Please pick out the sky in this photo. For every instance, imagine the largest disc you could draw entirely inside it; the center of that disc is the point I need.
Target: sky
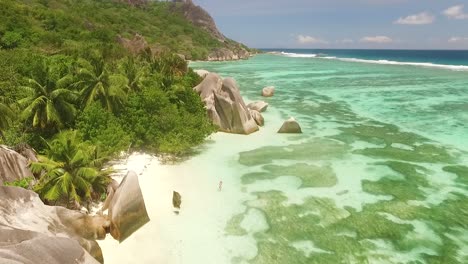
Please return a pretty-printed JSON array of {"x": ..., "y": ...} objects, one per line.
[{"x": 370, "y": 24}]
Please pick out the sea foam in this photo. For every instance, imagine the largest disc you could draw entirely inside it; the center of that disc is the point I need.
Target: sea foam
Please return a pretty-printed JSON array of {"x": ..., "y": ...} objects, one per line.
[
  {"x": 383, "y": 62},
  {"x": 298, "y": 55}
]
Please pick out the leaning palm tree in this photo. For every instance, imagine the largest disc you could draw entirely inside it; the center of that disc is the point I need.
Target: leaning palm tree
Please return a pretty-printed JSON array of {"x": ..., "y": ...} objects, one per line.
[
  {"x": 71, "y": 170},
  {"x": 6, "y": 115},
  {"x": 49, "y": 103},
  {"x": 97, "y": 83}
]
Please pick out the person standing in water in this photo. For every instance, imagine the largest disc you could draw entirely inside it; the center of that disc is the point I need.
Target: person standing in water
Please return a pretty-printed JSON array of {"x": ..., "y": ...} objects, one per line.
[{"x": 220, "y": 187}]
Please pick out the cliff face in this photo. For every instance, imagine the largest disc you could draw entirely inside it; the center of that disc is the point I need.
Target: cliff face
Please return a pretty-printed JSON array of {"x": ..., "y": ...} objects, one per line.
[
  {"x": 200, "y": 18},
  {"x": 229, "y": 49}
]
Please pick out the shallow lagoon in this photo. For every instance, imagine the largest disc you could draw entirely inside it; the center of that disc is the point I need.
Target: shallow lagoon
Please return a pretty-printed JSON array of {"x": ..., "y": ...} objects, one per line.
[{"x": 379, "y": 176}]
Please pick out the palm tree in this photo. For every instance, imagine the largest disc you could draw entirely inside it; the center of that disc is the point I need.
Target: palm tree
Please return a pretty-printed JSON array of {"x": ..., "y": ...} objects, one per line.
[
  {"x": 134, "y": 72},
  {"x": 71, "y": 170},
  {"x": 6, "y": 115},
  {"x": 49, "y": 103},
  {"x": 96, "y": 83}
]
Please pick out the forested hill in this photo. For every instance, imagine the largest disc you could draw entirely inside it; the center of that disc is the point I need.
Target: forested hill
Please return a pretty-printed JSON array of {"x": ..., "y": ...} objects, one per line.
[
  {"x": 57, "y": 26},
  {"x": 84, "y": 81}
]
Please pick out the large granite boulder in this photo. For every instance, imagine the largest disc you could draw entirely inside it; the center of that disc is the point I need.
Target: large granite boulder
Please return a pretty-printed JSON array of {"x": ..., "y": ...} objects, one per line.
[
  {"x": 260, "y": 106},
  {"x": 257, "y": 117},
  {"x": 268, "y": 91},
  {"x": 13, "y": 166},
  {"x": 202, "y": 73},
  {"x": 25, "y": 215},
  {"x": 127, "y": 211},
  {"x": 225, "y": 105},
  {"x": 26, "y": 151},
  {"x": 290, "y": 126},
  {"x": 28, "y": 247},
  {"x": 31, "y": 232}
]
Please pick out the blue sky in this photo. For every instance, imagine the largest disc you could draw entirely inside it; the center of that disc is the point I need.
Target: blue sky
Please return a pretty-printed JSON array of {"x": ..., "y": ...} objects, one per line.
[{"x": 400, "y": 24}]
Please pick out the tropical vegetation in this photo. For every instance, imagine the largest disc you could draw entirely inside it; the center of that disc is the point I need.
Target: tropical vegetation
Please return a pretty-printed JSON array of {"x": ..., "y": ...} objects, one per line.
[{"x": 70, "y": 89}]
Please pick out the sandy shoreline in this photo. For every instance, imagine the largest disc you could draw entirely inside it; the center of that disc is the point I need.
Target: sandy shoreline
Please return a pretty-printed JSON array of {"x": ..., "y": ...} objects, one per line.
[{"x": 197, "y": 235}]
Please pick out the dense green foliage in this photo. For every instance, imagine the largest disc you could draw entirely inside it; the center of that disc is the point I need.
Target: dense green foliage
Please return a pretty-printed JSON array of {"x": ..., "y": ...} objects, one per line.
[
  {"x": 24, "y": 183},
  {"x": 79, "y": 97},
  {"x": 71, "y": 170},
  {"x": 64, "y": 25}
]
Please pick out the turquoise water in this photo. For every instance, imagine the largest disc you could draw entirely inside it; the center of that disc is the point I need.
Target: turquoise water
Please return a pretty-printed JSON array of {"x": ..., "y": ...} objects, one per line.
[{"x": 380, "y": 174}]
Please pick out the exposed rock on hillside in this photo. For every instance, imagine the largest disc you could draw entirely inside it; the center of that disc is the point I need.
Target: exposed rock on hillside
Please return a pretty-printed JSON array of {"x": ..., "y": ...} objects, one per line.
[
  {"x": 225, "y": 105},
  {"x": 200, "y": 18},
  {"x": 229, "y": 50},
  {"x": 135, "y": 45}
]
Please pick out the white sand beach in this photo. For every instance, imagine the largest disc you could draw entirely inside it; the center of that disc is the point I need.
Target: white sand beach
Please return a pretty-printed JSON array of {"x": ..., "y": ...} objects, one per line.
[{"x": 197, "y": 234}]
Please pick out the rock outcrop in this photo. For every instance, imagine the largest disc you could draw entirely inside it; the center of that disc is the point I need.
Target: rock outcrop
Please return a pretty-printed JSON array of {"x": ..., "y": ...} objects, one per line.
[
  {"x": 176, "y": 199},
  {"x": 290, "y": 126},
  {"x": 259, "y": 106},
  {"x": 127, "y": 211},
  {"x": 200, "y": 18},
  {"x": 230, "y": 49},
  {"x": 135, "y": 45},
  {"x": 31, "y": 232},
  {"x": 28, "y": 247},
  {"x": 268, "y": 91},
  {"x": 225, "y": 54},
  {"x": 257, "y": 117},
  {"x": 13, "y": 166},
  {"x": 225, "y": 105},
  {"x": 202, "y": 73}
]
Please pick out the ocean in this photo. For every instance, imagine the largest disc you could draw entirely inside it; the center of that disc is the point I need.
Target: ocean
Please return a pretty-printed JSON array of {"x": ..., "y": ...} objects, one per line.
[{"x": 379, "y": 175}]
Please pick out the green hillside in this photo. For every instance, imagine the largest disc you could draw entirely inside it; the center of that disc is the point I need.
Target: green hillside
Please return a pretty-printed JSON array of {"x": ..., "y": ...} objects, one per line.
[
  {"x": 84, "y": 81},
  {"x": 56, "y": 26}
]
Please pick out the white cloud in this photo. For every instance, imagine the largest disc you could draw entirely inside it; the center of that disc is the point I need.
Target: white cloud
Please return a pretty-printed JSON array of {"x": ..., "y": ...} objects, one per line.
[
  {"x": 376, "y": 39},
  {"x": 423, "y": 18},
  {"x": 456, "y": 12},
  {"x": 458, "y": 40},
  {"x": 346, "y": 41},
  {"x": 302, "y": 39}
]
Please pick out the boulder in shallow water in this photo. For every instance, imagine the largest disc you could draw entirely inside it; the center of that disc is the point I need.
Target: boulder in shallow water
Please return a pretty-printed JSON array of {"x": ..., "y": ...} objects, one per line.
[
  {"x": 290, "y": 126},
  {"x": 268, "y": 91},
  {"x": 225, "y": 106},
  {"x": 257, "y": 117},
  {"x": 127, "y": 210},
  {"x": 259, "y": 106}
]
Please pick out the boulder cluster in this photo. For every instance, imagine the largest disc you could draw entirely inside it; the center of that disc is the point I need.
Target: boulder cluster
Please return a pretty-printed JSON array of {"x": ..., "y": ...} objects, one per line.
[
  {"x": 227, "y": 110},
  {"x": 225, "y": 106}
]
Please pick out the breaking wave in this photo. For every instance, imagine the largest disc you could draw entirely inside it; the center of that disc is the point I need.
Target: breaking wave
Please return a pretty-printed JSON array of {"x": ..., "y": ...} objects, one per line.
[{"x": 383, "y": 62}]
